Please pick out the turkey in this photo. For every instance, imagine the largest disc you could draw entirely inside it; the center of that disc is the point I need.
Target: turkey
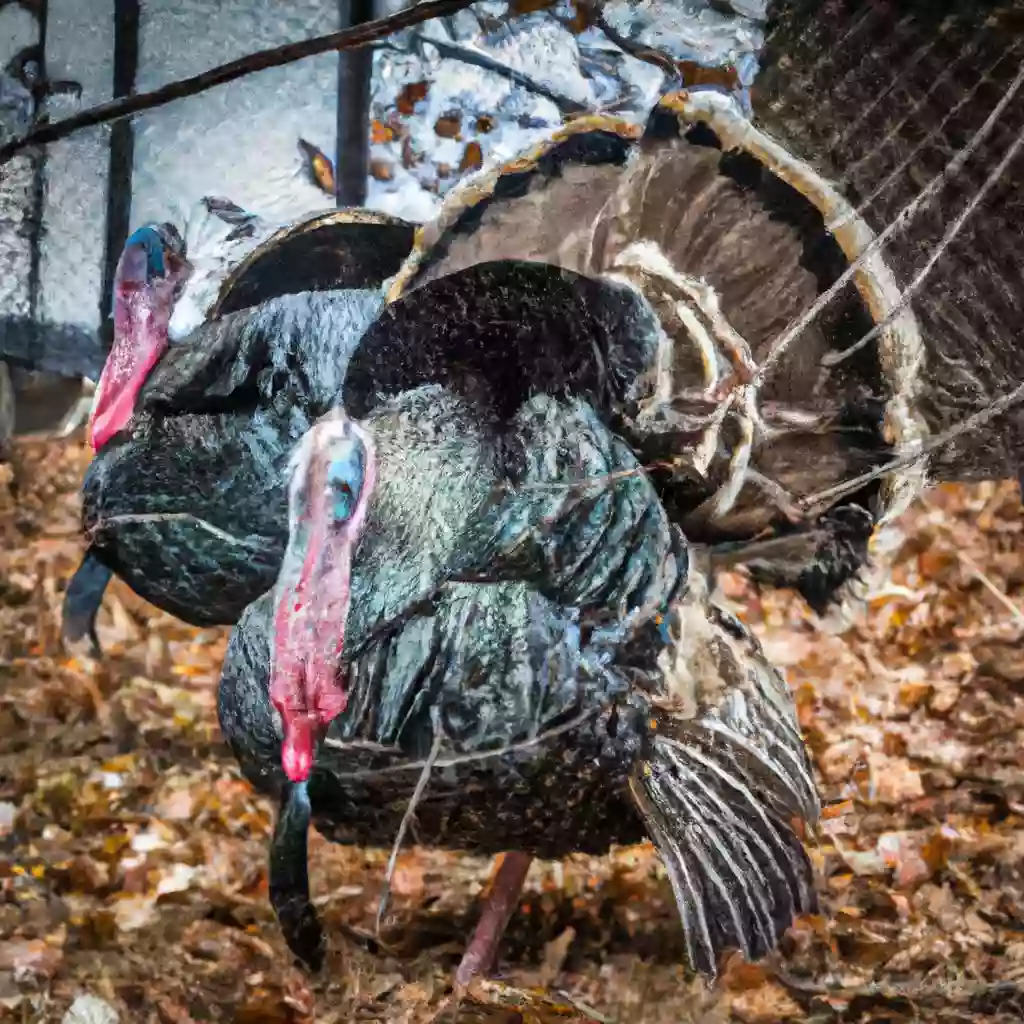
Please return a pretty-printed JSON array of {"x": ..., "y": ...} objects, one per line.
[
  {"x": 486, "y": 621},
  {"x": 749, "y": 276},
  {"x": 184, "y": 499}
]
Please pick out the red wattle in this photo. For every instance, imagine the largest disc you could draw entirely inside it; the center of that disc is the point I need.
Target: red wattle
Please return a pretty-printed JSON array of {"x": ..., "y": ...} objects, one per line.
[
  {"x": 297, "y": 749},
  {"x": 142, "y": 312}
]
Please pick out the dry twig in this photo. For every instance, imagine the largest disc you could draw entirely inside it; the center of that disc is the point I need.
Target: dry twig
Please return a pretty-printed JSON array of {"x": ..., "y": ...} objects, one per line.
[{"x": 278, "y": 56}]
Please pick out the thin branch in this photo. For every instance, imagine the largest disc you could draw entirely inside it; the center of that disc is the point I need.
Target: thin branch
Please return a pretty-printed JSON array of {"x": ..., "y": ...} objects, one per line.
[
  {"x": 453, "y": 51},
  {"x": 278, "y": 56},
  {"x": 662, "y": 61},
  {"x": 979, "y": 419},
  {"x": 417, "y": 795}
]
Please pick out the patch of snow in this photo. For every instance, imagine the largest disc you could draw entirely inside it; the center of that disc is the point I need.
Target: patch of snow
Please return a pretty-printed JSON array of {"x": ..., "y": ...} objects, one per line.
[
  {"x": 18, "y": 29},
  {"x": 79, "y": 46},
  {"x": 241, "y": 139}
]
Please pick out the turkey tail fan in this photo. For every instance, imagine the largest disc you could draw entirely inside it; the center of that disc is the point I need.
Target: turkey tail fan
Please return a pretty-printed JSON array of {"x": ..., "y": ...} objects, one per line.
[{"x": 724, "y": 777}]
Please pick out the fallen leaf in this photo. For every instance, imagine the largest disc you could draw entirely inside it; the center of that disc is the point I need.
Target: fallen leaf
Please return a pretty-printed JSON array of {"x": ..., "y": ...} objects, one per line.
[
  {"x": 320, "y": 167},
  {"x": 472, "y": 157},
  {"x": 768, "y": 1004},
  {"x": 381, "y": 170},
  {"x": 903, "y": 854},
  {"x": 30, "y": 958},
  {"x": 89, "y": 1009},
  {"x": 381, "y": 133},
  {"x": 134, "y": 912},
  {"x": 448, "y": 127},
  {"x": 413, "y": 93}
]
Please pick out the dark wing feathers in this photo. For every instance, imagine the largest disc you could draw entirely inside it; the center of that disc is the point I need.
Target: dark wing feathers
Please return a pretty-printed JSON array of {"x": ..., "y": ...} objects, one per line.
[{"x": 726, "y": 774}]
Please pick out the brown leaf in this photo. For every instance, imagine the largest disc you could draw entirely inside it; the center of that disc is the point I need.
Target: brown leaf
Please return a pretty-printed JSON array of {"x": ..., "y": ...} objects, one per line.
[
  {"x": 135, "y": 912},
  {"x": 741, "y": 976},
  {"x": 28, "y": 958},
  {"x": 173, "y": 1013},
  {"x": 407, "y": 879},
  {"x": 321, "y": 169},
  {"x": 913, "y": 694},
  {"x": 768, "y": 1004},
  {"x": 449, "y": 126},
  {"x": 413, "y": 93},
  {"x": 529, "y": 6},
  {"x": 903, "y": 853},
  {"x": 895, "y": 781},
  {"x": 382, "y": 170},
  {"x": 381, "y": 133},
  {"x": 177, "y": 805},
  {"x": 472, "y": 157}
]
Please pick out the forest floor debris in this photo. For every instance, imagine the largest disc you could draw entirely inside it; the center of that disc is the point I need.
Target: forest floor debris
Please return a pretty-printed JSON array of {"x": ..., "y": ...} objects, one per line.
[{"x": 133, "y": 856}]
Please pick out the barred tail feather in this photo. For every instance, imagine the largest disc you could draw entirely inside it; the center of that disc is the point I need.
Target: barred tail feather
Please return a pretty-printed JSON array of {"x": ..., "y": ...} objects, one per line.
[
  {"x": 725, "y": 774},
  {"x": 739, "y": 872}
]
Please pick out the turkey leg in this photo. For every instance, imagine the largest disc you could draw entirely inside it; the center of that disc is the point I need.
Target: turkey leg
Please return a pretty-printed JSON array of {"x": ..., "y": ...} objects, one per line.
[{"x": 497, "y": 910}]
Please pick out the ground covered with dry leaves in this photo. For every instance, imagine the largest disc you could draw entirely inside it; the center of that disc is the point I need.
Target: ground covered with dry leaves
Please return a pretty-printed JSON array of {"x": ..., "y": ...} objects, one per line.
[{"x": 133, "y": 856}]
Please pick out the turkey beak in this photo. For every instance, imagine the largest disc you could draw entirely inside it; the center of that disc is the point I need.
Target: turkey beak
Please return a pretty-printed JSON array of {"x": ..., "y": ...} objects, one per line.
[{"x": 333, "y": 476}]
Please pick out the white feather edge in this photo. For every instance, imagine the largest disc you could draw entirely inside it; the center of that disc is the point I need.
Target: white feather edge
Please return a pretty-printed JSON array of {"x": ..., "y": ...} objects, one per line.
[{"x": 726, "y": 774}]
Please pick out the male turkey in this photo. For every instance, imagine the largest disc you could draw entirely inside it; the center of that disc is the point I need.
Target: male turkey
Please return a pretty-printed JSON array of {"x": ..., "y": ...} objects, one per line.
[
  {"x": 674, "y": 297},
  {"x": 486, "y": 622},
  {"x": 185, "y": 498}
]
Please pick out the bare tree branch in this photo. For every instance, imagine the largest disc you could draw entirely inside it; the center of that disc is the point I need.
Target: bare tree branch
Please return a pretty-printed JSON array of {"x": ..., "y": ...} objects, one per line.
[
  {"x": 815, "y": 504},
  {"x": 346, "y": 39},
  {"x": 453, "y": 51},
  {"x": 662, "y": 61}
]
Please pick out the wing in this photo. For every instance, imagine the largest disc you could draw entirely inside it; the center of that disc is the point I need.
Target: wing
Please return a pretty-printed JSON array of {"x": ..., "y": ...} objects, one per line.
[
  {"x": 298, "y": 344},
  {"x": 505, "y": 331},
  {"x": 725, "y": 775},
  {"x": 288, "y": 315},
  {"x": 342, "y": 249}
]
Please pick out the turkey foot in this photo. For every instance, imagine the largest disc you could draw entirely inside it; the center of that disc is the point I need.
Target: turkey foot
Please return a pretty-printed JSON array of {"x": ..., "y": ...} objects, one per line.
[{"x": 497, "y": 910}]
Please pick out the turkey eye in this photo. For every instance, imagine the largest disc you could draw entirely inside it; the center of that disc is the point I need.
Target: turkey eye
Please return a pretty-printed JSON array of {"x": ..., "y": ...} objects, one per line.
[
  {"x": 343, "y": 501},
  {"x": 343, "y": 480}
]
